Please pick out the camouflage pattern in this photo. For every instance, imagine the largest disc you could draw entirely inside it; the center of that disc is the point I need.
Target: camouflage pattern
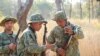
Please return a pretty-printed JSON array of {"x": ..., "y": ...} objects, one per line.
[
  {"x": 4, "y": 42},
  {"x": 28, "y": 45},
  {"x": 7, "y": 19},
  {"x": 59, "y": 15},
  {"x": 58, "y": 37},
  {"x": 36, "y": 18}
]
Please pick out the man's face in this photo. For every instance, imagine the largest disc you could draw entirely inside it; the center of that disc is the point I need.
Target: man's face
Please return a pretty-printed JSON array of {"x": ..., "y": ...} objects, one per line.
[
  {"x": 9, "y": 25},
  {"x": 37, "y": 26},
  {"x": 61, "y": 22}
]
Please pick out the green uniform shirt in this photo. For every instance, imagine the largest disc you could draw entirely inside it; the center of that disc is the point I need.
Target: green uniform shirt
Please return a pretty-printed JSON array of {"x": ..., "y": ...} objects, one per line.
[
  {"x": 28, "y": 45},
  {"x": 4, "y": 42},
  {"x": 58, "y": 38}
]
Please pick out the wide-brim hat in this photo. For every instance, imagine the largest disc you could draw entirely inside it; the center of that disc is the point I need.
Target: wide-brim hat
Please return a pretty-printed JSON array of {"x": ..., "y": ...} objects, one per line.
[
  {"x": 36, "y": 18},
  {"x": 36, "y": 21},
  {"x": 6, "y": 19}
]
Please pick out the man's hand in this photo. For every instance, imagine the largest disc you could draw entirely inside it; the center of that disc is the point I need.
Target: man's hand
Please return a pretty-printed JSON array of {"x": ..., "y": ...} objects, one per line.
[
  {"x": 61, "y": 52},
  {"x": 12, "y": 46},
  {"x": 68, "y": 30},
  {"x": 49, "y": 46}
]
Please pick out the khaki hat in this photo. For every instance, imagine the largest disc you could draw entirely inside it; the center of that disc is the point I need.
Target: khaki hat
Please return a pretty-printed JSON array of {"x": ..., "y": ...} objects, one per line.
[{"x": 7, "y": 19}]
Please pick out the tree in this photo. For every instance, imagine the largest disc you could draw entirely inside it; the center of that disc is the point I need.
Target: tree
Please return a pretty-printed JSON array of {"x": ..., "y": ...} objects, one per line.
[
  {"x": 58, "y": 4},
  {"x": 81, "y": 9},
  {"x": 23, "y": 12},
  {"x": 77, "y": 13},
  {"x": 71, "y": 9},
  {"x": 98, "y": 11}
]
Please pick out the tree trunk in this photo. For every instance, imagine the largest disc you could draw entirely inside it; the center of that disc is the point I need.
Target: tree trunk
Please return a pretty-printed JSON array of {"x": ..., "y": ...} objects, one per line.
[
  {"x": 70, "y": 9},
  {"x": 92, "y": 9},
  {"x": 89, "y": 11},
  {"x": 58, "y": 5},
  {"x": 23, "y": 12},
  {"x": 98, "y": 12},
  {"x": 80, "y": 9}
]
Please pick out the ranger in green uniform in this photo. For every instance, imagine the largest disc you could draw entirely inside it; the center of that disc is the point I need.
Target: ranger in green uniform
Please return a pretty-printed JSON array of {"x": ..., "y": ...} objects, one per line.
[
  {"x": 28, "y": 45},
  {"x": 7, "y": 48},
  {"x": 61, "y": 34}
]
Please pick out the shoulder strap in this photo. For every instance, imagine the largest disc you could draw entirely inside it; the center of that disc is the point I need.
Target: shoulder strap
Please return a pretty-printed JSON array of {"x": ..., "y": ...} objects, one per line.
[{"x": 33, "y": 31}]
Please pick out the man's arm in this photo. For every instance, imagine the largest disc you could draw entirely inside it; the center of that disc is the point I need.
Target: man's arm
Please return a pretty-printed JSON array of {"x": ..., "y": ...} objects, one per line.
[
  {"x": 51, "y": 40},
  {"x": 31, "y": 45},
  {"x": 3, "y": 49},
  {"x": 78, "y": 32}
]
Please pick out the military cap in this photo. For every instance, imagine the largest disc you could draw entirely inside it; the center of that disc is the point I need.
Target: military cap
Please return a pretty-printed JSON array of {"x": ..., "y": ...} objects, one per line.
[
  {"x": 36, "y": 18},
  {"x": 59, "y": 15},
  {"x": 6, "y": 19}
]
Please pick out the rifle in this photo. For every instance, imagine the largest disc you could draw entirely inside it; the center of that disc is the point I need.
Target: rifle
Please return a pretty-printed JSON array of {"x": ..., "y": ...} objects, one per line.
[
  {"x": 45, "y": 32},
  {"x": 44, "y": 37},
  {"x": 14, "y": 40},
  {"x": 65, "y": 45},
  {"x": 67, "y": 42}
]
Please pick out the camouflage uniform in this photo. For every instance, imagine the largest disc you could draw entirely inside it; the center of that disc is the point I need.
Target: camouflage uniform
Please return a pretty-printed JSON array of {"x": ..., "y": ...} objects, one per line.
[
  {"x": 5, "y": 40},
  {"x": 28, "y": 45},
  {"x": 58, "y": 37}
]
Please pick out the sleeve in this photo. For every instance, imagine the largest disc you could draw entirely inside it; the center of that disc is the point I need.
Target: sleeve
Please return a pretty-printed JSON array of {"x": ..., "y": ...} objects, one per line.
[
  {"x": 31, "y": 45},
  {"x": 20, "y": 46},
  {"x": 3, "y": 48},
  {"x": 78, "y": 32},
  {"x": 51, "y": 40}
]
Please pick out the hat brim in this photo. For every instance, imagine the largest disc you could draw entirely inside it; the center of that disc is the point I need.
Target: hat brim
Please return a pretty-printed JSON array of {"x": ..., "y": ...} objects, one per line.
[
  {"x": 55, "y": 19},
  {"x": 36, "y": 21},
  {"x": 6, "y": 20}
]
